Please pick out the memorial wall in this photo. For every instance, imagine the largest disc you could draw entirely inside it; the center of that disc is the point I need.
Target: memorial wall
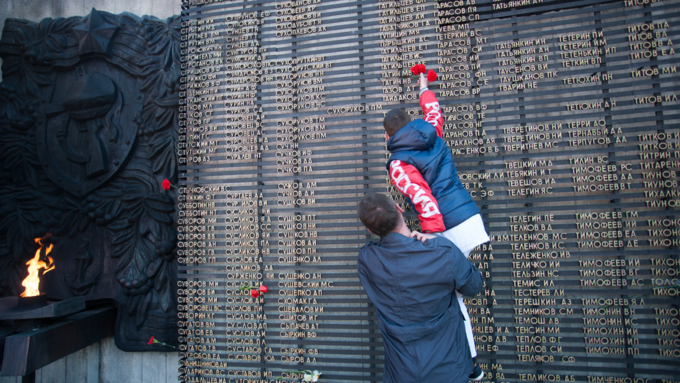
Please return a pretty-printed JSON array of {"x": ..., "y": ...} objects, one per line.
[{"x": 562, "y": 117}]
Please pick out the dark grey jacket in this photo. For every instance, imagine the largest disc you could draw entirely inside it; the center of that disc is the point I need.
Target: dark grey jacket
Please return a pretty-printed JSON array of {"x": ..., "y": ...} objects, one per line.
[{"x": 413, "y": 285}]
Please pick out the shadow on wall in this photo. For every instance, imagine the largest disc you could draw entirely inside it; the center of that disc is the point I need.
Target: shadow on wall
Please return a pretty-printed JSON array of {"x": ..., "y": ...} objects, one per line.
[{"x": 88, "y": 118}]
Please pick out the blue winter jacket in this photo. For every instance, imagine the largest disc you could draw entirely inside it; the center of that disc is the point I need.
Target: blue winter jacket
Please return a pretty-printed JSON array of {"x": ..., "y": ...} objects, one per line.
[
  {"x": 413, "y": 287},
  {"x": 417, "y": 144}
]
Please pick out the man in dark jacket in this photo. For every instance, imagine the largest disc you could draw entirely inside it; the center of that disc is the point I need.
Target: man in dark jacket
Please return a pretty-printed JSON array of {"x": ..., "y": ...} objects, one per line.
[
  {"x": 421, "y": 167},
  {"x": 411, "y": 278}
]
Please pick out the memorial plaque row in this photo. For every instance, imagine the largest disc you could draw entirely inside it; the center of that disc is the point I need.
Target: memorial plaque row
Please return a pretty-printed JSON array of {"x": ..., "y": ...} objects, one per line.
[{"x": 563, "y": 121}]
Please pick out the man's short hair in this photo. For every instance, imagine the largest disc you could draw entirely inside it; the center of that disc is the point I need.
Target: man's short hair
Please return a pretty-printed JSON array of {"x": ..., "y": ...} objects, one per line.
[
  {"x": 394, "y": 120},
  {"x": 378, "y": 213}
]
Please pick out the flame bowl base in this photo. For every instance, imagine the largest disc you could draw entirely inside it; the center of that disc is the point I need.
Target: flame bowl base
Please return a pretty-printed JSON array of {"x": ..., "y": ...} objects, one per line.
[
  {"x": 28, "y": 303},
  {"x": 12, "y": 309}
]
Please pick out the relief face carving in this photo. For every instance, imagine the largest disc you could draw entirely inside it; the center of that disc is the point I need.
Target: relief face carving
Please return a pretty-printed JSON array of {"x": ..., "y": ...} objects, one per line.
[{"x": 88, "y": 119}]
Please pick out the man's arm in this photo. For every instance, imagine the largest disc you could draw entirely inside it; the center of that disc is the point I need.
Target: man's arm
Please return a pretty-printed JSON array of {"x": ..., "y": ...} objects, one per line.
[
  {"x": 430, "y": 106},
  {"x": 467, "y": 278},
  {"x": 411, "y": 184}
]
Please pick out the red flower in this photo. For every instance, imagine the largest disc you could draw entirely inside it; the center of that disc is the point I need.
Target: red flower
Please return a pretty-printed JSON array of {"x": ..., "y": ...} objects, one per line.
[
  {"x": 264, "y": 289},
  {"x": 254, "y": 293},
  {"x": 154, "y": 341},
  {"x": 166, "y": 184},
  {"x": 418, "y": 69},
  {"x": 431, "y": 75}
]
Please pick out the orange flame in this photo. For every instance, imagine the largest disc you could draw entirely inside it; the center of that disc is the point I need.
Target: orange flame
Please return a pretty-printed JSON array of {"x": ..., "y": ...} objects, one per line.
[{"x": 32, "y": 281}]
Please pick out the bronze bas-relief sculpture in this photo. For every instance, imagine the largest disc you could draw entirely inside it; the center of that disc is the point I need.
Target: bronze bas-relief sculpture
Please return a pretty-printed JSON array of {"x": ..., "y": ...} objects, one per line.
[{"x": 88, "y": 120}]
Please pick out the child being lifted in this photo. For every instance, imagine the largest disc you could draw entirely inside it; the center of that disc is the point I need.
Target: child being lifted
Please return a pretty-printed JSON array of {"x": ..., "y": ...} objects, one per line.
[{"x": 421, "y": 167}]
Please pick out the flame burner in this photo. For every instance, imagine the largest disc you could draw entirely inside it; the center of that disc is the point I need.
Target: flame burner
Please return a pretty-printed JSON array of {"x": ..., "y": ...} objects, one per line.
[
  {"x": 29, "y": 303},
  {"x": 29, "y": 308},
  {"x": 38, "y": 332}
]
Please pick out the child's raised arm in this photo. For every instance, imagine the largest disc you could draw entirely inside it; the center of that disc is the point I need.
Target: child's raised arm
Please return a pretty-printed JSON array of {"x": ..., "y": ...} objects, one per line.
[{"x": 430, "y": 106}]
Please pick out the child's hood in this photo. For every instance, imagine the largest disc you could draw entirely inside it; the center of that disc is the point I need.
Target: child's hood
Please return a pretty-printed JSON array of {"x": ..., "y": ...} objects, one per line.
[{"x": 416, "y": 135}]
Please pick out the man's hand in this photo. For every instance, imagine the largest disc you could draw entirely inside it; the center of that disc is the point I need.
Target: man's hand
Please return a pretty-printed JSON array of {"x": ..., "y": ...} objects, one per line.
[
  {"x": 421, "y": 237},
  {"x": 423, "y": 82}
]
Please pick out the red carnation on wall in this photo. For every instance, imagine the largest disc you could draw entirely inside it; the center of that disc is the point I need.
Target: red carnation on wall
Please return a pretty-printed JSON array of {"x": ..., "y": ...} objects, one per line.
[
  {"x": 431, "y": 76},
  {"x": 166, "y": 184},
  {"x": 153, "y": 340},
  {"x": 254, "y": 291},
  {"x": 418, "y": 69}
]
